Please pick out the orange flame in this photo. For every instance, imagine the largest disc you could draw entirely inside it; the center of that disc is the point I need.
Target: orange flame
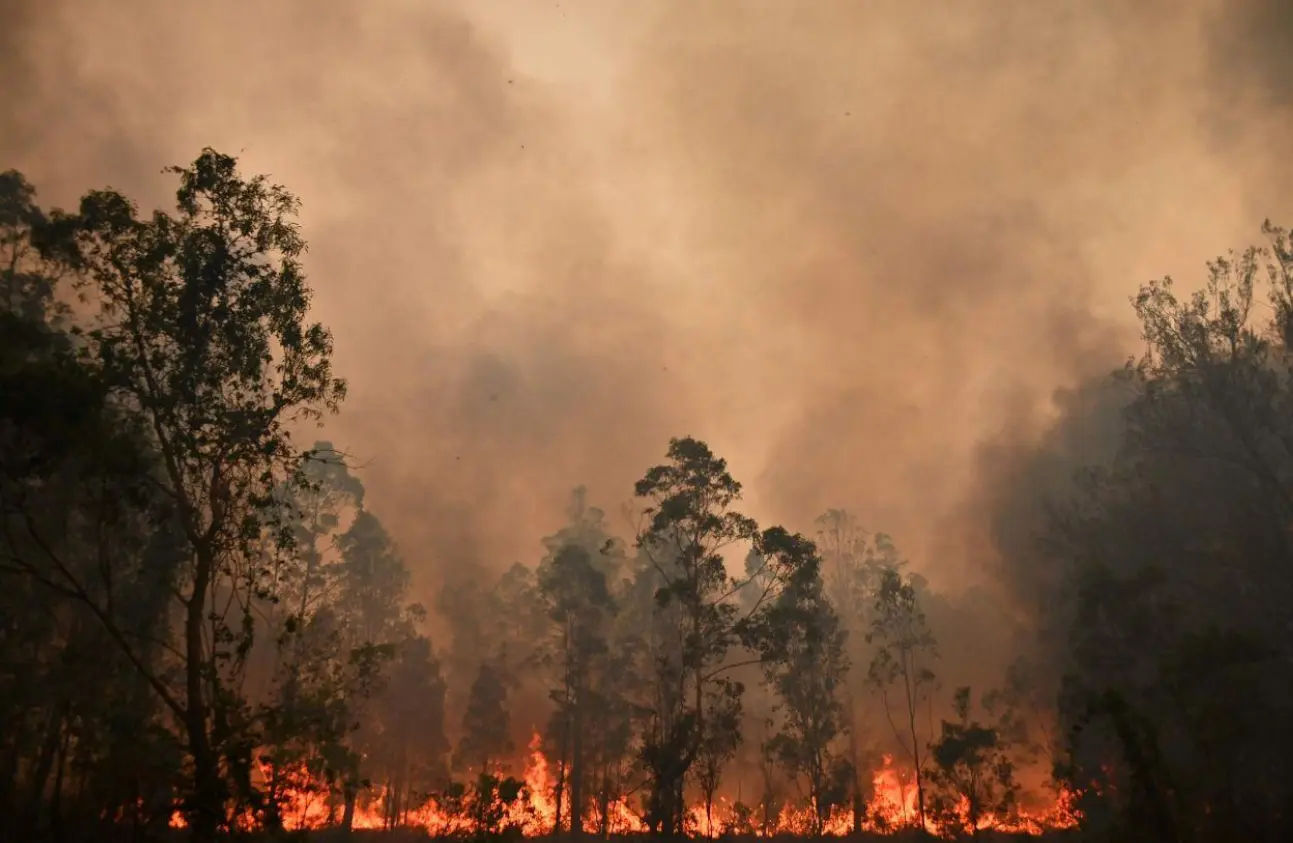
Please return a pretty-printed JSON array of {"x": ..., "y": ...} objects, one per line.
[{"x": 892, "y": 806}]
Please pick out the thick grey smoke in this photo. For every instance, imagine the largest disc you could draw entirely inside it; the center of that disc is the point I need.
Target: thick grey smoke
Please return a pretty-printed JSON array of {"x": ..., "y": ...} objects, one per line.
[
  {"x": 930, "y": 217},
  {"x": 860, "y": 247}
]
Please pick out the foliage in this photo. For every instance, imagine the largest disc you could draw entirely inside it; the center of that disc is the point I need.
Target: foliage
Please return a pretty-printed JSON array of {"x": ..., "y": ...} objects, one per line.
[
  {"x": 154, "y": 500},
  {"x": 573, "y": 583},
  {"x": 807, "y": 667},
  {"x": 485, "y": 743},
  {"x": 690, "y": 521},
  {"x": 973, "y": 777},
  {"x": 904, "y": 648},
  {"x": 493, "y": 804},
  {"x": 1178, "y": 551}
]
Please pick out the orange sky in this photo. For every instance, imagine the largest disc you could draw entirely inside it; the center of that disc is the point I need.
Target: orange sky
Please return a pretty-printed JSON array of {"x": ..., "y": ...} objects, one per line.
[{"x": 854, "y": 245}]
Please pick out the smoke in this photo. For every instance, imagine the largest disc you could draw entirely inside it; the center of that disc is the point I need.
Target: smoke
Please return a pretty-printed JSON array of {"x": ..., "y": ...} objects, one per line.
[
  {"x": 942, "y": 215},
  {"x": 863, "y": 249}
]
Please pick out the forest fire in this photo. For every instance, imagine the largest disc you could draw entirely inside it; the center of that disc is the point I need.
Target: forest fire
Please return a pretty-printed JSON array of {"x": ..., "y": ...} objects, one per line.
[
  {"x": 533, "y": 810},
  {"x": 197, "y": 603}
]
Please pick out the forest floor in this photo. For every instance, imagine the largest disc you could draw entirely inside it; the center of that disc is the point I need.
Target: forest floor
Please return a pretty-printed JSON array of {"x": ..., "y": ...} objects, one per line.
[{"x": 409, "y": 835}]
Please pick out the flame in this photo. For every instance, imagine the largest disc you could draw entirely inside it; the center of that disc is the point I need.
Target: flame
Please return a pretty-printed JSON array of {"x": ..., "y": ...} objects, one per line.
[{"x": 892, "y": 806}]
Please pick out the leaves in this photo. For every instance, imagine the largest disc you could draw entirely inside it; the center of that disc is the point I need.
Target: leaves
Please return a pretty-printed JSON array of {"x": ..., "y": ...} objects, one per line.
[
  {"x": 973, "y": 775},
  {"x": 807, "y": 668}
]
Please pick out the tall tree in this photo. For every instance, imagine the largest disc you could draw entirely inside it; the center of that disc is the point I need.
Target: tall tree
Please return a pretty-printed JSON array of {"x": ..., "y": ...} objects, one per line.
[
  {"x": 486, "y": 724},
  {"x": 403, "y": 731},
  {"x": 76, "y": 524},
  {"x": 201, "y": 331},
  {"x": 1177, "y": 556},
  {"x": 319, "y": 679},
  {"x": 573, "y": 583},
  {"x": 325, "y": 493},
  {"x": 904, "y": 649},
  {"x": 372, "y": 584},
  {"x": 807, "y": 668},
  {"x": 853, "y": 561},
  {"x": 690, "y": 522}
]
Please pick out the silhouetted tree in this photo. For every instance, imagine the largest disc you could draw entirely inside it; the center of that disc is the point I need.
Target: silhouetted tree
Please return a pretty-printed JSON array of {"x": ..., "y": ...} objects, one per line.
[
  {"x": 199, "y": 332},
  {"x": 852, "y": 563},
  {"x": 904, "y": 649},
  {"x": 690, "y": 523},
  {"x": 485, "y": 725},
  {"x": 972, "y": 774},
  {"x": 807, "y": 668},
  {"x": 572, "y": 581},
  {"x": 1176, "y": 556}
]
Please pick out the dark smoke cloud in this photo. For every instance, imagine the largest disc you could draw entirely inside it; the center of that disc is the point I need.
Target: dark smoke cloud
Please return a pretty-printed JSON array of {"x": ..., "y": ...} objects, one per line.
[
  {"x": 1252, "y": 54},
  {"x": 860, "y": 247},
  {"x": 942, "y": 208}
]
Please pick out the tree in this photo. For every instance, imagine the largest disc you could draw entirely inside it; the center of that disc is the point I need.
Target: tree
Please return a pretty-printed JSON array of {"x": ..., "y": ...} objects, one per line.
[
  {"x": 372, "y": 584},
  {"x": 319, "y": 680},
  {"x": 200, "y": 332},
  {"x": 973, "y": 776},
  {"x": 485, "y": 725},
  {"x": 75, "y": 524},
  {"x": 807, "y": 668},
  {"x": 904, "y": 648},
  {"x": 853, "y": 561},
  {"x": 27, "y": 281},
  {"x": 572, "y": 582},
  {"x": 497, "y": 620},
  {"x": 323, "y": 494},
  {"x": 578, "y": 602},
  {"x": 690, "y": 522},
  {"x": 306, "y": 740},
  {"x": 718, "y": 742},
  {"x": 403, "y": 736},
  {"x": 1176, "y": 553}
]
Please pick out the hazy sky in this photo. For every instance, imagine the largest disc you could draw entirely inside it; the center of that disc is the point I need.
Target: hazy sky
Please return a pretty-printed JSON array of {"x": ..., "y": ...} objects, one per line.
[{"x": 856, "y": 246}]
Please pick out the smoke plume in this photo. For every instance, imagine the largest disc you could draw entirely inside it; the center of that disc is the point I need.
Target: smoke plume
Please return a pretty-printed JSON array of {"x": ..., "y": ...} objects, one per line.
[{"x": 863, "y": 249}]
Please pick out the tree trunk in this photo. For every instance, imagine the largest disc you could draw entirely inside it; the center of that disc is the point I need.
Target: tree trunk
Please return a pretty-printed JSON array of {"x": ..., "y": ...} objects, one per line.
[
  {"x": 577, "y": 768},
  {"x": 56, "y": 798},
  {"x": 348, "y": 812},
  {"x": 8, "y": 782},
  {"x": 560, "y": 790},
  {"x": 819, "y": 807},
  {"x": 698, "y": 736},
  {"x": 604, "y": 798},
  {"x": 205, "y": 812},
  {"x": 920, "y": 781},
  {"x": 909, "y": 680},
  {"x": 273, "y": 816},
  {"x": 45, "y": 762},
  {"x": 680, "y": 805},
  {"x": 855, "y": 753}
]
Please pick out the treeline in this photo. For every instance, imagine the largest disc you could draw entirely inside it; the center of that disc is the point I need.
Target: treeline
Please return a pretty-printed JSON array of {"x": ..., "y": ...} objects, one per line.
[
  {"x": 182, "y": 616},
  {"x": 200, "y": 614},
  {"x": 671, "y": 680},
  {"x": 1171, "y": 607}
]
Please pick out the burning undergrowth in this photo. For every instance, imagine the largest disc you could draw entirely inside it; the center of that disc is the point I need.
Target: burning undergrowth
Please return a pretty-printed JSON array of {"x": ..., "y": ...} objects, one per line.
[{"x": 498, "y": 805}]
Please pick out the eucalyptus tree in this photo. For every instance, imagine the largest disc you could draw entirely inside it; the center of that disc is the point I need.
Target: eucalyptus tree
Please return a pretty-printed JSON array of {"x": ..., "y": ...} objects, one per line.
[
  {"x": 198, "y": 323},
  {"x": 904, "y": 651},
  {"x": 690, "y": 522}
]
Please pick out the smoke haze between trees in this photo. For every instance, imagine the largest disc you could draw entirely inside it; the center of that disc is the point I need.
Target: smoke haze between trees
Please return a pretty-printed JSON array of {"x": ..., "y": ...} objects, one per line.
[{"x": 547, "y": 239}]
